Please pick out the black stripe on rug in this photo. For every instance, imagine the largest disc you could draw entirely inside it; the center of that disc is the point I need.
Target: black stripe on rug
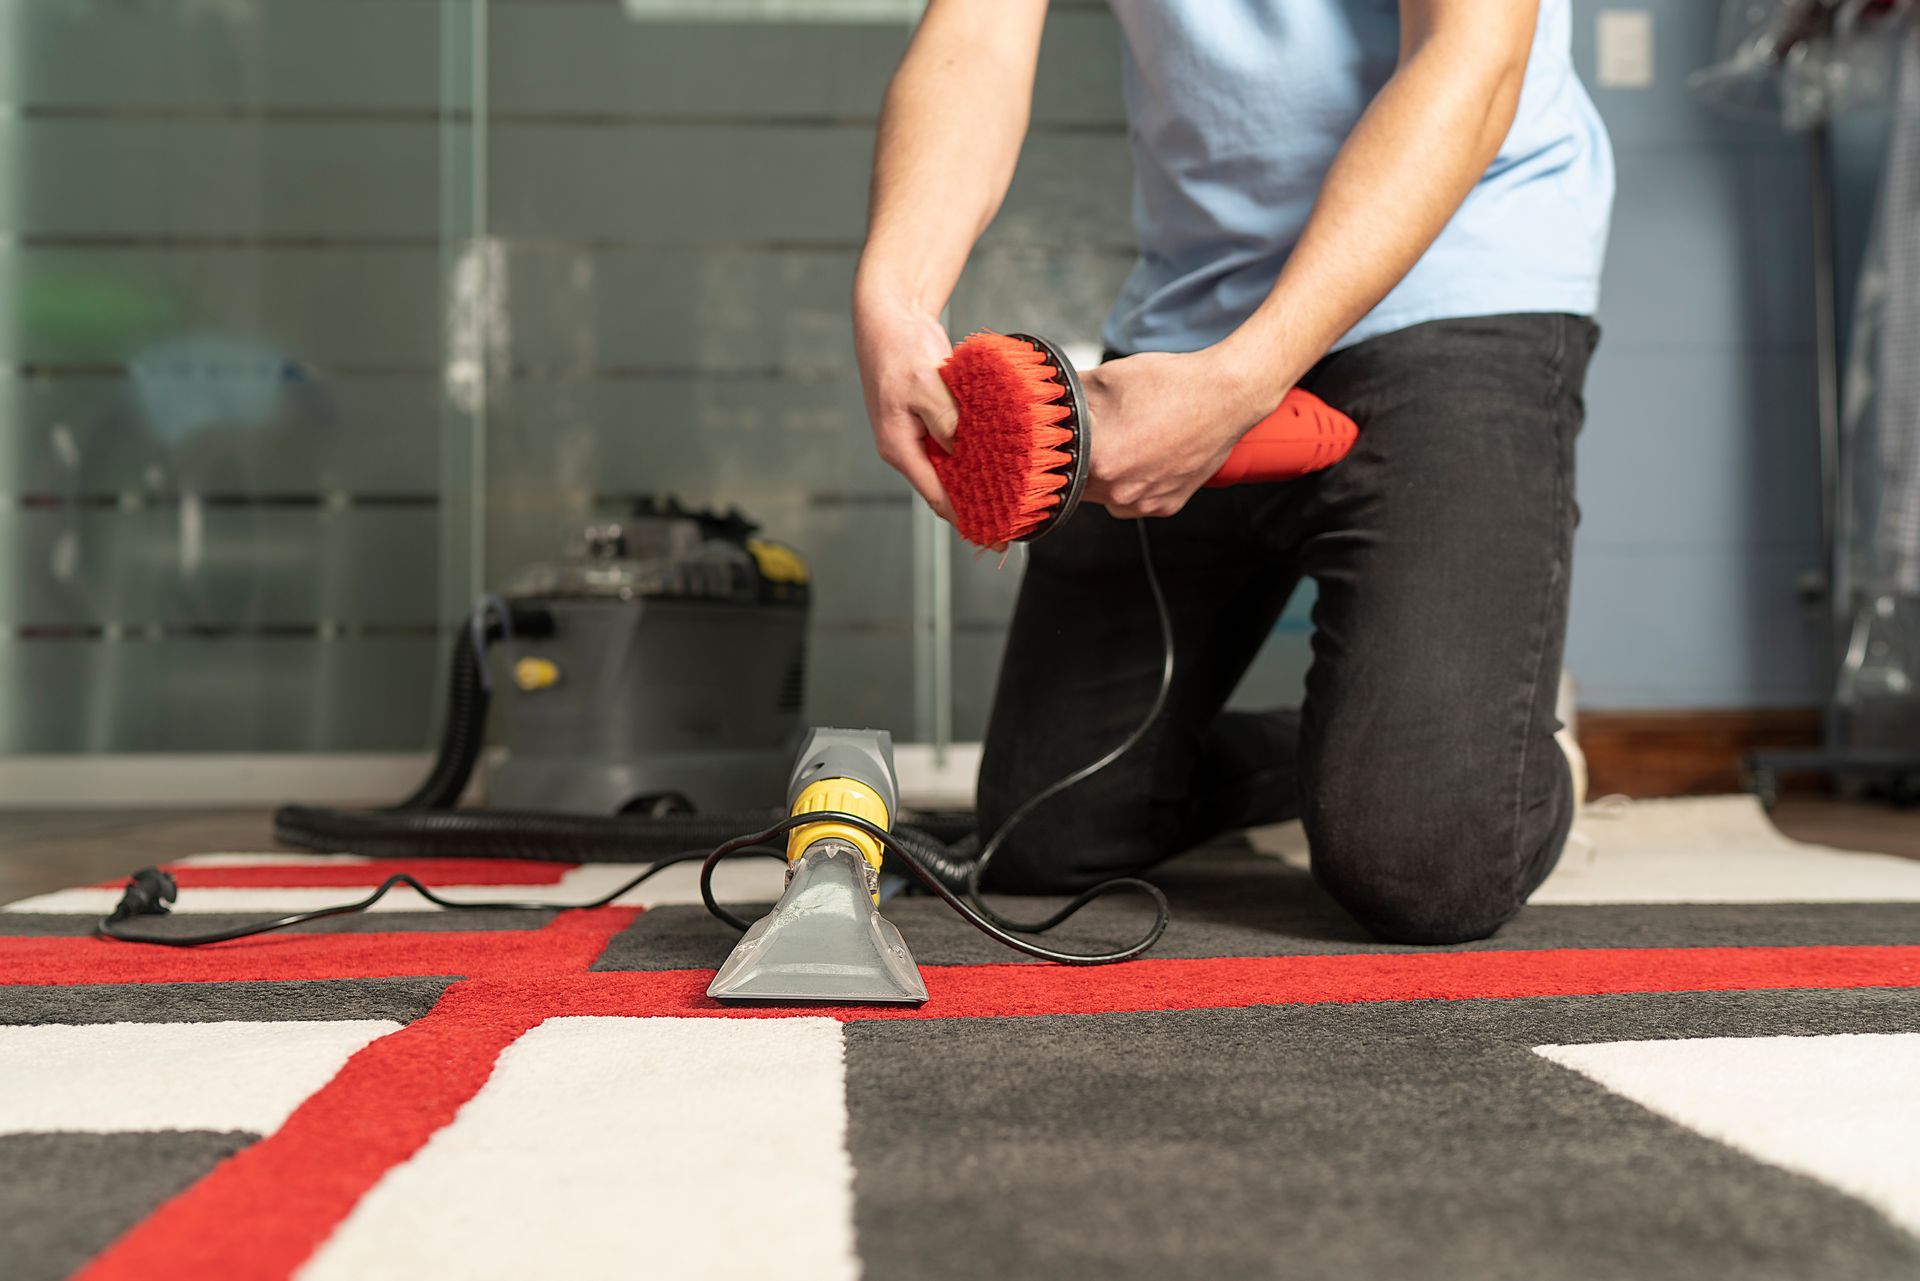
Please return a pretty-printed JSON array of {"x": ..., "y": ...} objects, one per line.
[
  {"x": 1288, "y": 916},
  {"x": 400, "y": 999},
  {"x": 64, "y": 1197},
  {"x": 1417, "y": 1139}
]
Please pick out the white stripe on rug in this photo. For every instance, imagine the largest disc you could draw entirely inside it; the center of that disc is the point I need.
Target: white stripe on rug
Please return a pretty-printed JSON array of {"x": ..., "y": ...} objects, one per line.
[
  {"x": 106, "y": 1078},
  {"x": 1709, "y": 849},
  {"x": 748, "y": 880},
  {"x": 1842, "y": 1109},
  {"x": 621, "y": 1148},
  {"x": 267, "y": 860}
]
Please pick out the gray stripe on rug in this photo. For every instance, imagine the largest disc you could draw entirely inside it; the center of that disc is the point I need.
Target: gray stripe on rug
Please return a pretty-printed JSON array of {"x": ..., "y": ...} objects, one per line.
[
  {"x": 400, "y": 999},
  {"x": 65, "y": 1197}
]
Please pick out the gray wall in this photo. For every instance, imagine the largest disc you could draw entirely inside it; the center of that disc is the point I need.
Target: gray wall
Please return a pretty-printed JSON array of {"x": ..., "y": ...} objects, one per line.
[{"x": 1699, "y": 466}]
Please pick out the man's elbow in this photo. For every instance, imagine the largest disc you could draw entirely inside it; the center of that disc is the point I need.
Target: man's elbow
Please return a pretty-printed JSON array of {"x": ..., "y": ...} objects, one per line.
[
  {"x": 1503, "y": 85},
  {"x": 1482, "y": 47},
  {"x": 1489, "y": 78}
]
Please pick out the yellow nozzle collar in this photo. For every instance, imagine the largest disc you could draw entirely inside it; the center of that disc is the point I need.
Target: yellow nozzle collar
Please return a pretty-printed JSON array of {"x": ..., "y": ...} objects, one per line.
[{"x": 848, "y": 796}]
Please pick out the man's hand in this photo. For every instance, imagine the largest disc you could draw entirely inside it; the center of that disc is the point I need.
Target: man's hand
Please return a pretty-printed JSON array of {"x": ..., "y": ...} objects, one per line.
[
  {"x": 900, "y": 353},
  {"x": 1162, "y": 425},
  {"x": 950, "y": 134}
]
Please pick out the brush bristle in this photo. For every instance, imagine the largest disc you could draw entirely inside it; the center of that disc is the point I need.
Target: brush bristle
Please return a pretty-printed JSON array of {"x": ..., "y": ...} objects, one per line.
[{"x": 1007, "y": 467}]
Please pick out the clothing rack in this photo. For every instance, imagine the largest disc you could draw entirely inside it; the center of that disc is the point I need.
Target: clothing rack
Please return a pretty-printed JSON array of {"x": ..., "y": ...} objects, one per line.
[{"x": 1890, "y": 773}]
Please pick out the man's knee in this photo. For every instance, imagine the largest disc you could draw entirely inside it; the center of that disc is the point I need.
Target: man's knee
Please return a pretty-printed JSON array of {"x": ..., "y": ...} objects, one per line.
[{"x": 1411, "y": 880}]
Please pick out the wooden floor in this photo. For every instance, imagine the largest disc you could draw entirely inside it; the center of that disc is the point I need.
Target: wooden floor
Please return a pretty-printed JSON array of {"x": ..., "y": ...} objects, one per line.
[
  {"x": 42, "y": 850},
  {"x": 1850, "y": 825}
]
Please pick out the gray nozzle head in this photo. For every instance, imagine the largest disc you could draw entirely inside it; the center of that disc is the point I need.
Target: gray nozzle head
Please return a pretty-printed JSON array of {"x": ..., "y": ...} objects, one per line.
[{"x": 824, "y": 941}]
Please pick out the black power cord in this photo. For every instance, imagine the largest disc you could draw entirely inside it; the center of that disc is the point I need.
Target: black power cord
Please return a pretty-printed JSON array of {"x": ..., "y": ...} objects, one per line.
[
  {"x": 972, "y": 907},
  {"x": 151, "y": 892},
  {"x": 978, "y": 869}
]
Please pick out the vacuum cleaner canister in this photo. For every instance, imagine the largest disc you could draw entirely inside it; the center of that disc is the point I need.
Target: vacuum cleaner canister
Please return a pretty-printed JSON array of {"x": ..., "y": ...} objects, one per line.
[{"x": 672, "y": 679}]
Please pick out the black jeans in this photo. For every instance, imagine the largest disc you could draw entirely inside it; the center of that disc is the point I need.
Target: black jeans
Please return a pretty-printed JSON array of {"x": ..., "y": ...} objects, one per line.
[{"x": 1422, "y": 762}]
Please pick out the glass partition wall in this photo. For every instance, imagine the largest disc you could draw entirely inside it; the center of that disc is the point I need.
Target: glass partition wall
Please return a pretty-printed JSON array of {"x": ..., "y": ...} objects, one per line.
[
  {"x": 226, "y": 231},
  {"x": 325, "y": 316}
]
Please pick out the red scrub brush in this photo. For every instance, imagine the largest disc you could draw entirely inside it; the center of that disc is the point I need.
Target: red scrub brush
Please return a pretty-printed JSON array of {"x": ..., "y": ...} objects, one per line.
[{"x": 1019, "y": 459}]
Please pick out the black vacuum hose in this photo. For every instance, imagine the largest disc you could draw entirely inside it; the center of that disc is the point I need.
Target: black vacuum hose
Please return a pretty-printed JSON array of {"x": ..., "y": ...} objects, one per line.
[
  {"x": 464, "y": 735},
  {"x": 564, "y": 838},
  {"x": 426, "y": 824}
]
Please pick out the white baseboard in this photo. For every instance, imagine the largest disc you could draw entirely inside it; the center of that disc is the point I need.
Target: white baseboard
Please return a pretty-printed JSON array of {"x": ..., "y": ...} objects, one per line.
[{"x": 928, "y": 779}]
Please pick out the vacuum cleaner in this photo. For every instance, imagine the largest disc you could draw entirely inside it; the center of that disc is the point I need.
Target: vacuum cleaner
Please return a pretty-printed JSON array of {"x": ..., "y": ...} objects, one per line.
[
  {"x": 672, "y": 674},
  {"x": 650, "y": 685}
]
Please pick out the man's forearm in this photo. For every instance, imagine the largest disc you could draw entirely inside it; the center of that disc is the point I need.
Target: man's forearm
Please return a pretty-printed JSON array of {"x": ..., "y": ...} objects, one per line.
[
  {"x": 1418, "y": 150},
  {"x": 949, "y": 139}
]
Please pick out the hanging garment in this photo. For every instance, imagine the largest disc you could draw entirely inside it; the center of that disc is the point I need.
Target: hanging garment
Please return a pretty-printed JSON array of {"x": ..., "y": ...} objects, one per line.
[{"x": 1896, "y": 351}]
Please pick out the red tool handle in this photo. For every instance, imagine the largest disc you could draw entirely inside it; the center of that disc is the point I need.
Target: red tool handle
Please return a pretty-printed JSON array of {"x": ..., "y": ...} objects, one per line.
[{"x": 1305, "y": 434}]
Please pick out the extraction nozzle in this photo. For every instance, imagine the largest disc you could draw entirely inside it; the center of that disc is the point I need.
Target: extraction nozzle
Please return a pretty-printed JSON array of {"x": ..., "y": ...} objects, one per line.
[{"x": 825, "y": 940}]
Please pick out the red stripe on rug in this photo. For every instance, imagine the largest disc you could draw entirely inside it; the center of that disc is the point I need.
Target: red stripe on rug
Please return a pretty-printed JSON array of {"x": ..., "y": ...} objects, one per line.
[
  {"x": 1430, "y": 976},
  {"x": 263, "y": 1212},
  {"x": 434, "y": 872},
  {"x": 991, "y": 991},
  {"x": 570, "y": 942}
]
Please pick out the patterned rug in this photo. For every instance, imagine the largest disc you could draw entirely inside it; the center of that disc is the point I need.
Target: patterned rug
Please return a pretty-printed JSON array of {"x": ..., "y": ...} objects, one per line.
[{"x": 1697, "y": 1055}]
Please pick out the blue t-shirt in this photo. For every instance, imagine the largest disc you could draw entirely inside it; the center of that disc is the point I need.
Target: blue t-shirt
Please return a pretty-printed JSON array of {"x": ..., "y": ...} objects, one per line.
[{"x": 1237, "y": 108}]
